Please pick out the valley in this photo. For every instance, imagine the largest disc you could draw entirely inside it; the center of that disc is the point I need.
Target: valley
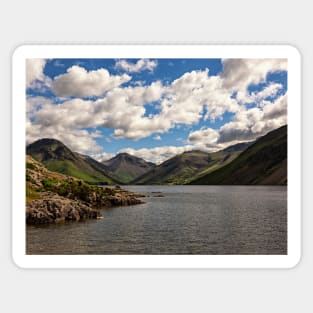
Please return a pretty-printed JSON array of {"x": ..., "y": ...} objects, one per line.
[{"x": 262, "y": 162}]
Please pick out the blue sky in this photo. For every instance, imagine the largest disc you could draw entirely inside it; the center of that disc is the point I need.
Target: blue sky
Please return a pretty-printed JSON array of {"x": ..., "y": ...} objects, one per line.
[{"x": 154, "y": 108}]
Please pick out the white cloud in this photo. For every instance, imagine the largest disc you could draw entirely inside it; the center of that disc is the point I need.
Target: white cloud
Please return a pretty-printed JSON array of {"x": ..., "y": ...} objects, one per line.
[
  {"x": 122, "y": 109},
  {"x": 255, "y": 122},
  {"x": 238, "y": 74},
  {"x": 270, "y": 90},
  {"x": 102, "y": 156},
  {"x": 159, "y": 154},
  {"x": 46, "y": 120},
  {"x": 182, "y": 102},
  {"x": 277, "y": 109},
  {"x": 188, "y": 99},
  {"x": 188, "y": 95},
  {"x": 207, "y": 137},
  {"x": 78, "y": 82},
  {"x": 34, "y": 104},
  {"x": 247, "y": 125},
  {"x": 157, "y": 137},
  {"x": 139, "y": 66},
  {"x": 34, "y": 71}
]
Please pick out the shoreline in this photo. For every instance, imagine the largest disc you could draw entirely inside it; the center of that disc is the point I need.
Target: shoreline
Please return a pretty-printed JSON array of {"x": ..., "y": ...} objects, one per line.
[
  {"x": 53, "y": 208},
  {"x": 55, "y": 198}
]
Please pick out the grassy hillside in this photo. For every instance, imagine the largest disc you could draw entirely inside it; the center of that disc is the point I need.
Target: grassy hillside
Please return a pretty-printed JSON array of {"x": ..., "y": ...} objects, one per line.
[
  {"x": 263, "y": 163},
  {"x": 185, "y": 167},
  {"x": 52, "y": 197},
  {"x": 59, "y": 158}
]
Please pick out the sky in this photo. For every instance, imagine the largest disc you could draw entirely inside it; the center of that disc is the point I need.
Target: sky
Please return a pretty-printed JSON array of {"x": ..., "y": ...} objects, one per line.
[{"x": 153, "y": 108}]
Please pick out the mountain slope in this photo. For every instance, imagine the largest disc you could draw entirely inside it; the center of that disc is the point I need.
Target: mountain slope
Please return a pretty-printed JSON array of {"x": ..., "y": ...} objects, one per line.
[
  {"x": 59, "y": 158},
  {"x": 126, "y": 167},
  {"x": 182, "y": 168},
  {"x": 263, "y": 163}
]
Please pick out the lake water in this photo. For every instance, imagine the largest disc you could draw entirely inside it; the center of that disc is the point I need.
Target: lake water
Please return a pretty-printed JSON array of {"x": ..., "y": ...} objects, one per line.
[{"x": 185, "y": 220}]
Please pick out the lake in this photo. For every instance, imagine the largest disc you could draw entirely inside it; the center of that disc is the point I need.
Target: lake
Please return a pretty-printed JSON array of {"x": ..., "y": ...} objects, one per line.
[{"x": 177, "y": 220}]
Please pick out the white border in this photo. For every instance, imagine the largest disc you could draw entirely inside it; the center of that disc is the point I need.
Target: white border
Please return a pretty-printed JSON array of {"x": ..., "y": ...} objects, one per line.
[{"x": 160, "y": 261}]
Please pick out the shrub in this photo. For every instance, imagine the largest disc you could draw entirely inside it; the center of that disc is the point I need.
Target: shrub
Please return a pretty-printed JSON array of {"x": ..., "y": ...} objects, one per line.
[
  {"x": 49, "y": 184},
  {"x": 30, "y": 166}
]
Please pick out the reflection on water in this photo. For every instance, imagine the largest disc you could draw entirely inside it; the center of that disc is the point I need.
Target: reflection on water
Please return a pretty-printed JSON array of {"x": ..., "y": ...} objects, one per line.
[{"x": 187, "y": 220}]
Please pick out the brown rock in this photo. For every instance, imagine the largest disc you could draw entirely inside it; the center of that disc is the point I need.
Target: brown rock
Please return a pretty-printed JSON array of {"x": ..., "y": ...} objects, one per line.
[{"x": 56, "y": 209}]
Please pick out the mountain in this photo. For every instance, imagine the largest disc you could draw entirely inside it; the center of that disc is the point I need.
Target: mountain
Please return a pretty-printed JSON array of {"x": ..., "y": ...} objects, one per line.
[
  {"x": 126, "y": 167},
  {"x": 263, "y": 163},
  {"x": 183, "y": 168},
  {"x": 59, "y": 158}
]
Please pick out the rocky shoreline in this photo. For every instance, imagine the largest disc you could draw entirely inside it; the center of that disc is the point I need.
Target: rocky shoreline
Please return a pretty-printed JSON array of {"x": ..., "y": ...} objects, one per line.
[
  {"x": 56, "y": 198},
  {"x": 52, "y": 208}
]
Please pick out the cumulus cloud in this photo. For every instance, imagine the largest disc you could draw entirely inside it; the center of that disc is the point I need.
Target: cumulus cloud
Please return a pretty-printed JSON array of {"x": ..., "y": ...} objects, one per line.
[
  {"x": 78, "y": 82},
  {"x": 181, "y": 102},
  {"x": 123, "y": 109},
  {"x": 190, "y": 98},
  {"x": 139, "y": 66},
  {"x": 238, "y": 74},
  {"x": 188, "y": 95},
  {"x": 249, "y": 124},
  {"x": 207, "y": 137},
  {"x": 34, "y": 71},
  {"x": 45, "y": 119},
  {"x": 159, "y": 154}
]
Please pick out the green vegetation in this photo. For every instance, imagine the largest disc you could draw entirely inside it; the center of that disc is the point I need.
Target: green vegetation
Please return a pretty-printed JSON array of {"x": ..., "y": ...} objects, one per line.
[
  {"x": 30, "y": 166},
  {"x": 67, "y": 167},
  {"x": 39, "y": 180},
  {"x": 52, "y": 187},
  {"x": 188, "y": 166},
  {"x": 219, "y": 161},
  {"x": 261, "y": 162},
  {"x": 59, "y": 158},
  {"x": 31, "y": 194},
  {"x": 264, "y": 162},
  {"x": 75, "y": 189}
]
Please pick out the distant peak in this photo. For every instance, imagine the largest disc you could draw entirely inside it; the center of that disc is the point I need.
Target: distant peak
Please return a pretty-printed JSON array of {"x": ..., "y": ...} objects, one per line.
[{"x": 126, "y": 155}]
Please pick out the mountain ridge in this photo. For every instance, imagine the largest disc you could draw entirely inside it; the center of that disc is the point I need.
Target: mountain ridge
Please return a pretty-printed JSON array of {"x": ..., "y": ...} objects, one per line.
[
  {"x": 263, "y": 163},
  {"x": 182, "y": 168},
  {"x": 56, "y": 156}
]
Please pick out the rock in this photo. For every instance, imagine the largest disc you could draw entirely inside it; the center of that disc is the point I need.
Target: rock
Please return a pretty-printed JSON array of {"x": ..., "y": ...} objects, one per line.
[{"x": 56, "y": 209}]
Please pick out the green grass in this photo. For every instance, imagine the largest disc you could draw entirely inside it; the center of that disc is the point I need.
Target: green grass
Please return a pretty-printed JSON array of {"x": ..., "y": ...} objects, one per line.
[
  {"x": 254, "y": 164},
  {"x": 31, "y": 194},
  {"x": 68, "y": 168},
  {"x": 218, "y": 165}
]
